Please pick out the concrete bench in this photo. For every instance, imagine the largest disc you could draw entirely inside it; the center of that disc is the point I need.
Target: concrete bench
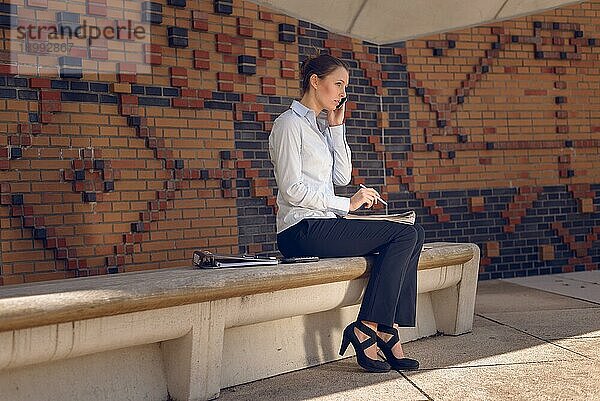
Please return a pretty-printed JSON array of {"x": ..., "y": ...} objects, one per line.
[{"x": 184, "y": 334}]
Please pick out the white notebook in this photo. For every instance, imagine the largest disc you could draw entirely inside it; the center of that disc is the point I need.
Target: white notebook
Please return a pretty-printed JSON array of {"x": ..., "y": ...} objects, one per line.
[{"x": 403, "y": 218}]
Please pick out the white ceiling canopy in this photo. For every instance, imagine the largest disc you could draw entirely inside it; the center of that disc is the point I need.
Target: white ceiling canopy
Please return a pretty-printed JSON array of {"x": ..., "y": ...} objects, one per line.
[{"x": 389, "y": 21}]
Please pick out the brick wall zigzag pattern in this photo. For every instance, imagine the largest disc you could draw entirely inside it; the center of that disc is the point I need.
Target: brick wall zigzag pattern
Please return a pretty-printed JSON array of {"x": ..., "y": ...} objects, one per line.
[{"x": 133, "y": 171}]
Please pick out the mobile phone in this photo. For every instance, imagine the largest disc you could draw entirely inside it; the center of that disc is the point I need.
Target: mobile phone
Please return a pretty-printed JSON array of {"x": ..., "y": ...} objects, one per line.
[{"x": 341, "y": 103}]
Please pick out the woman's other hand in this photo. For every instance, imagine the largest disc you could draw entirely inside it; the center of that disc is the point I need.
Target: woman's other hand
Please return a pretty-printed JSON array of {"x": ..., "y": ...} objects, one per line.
[{"x": 364, "y": 196}]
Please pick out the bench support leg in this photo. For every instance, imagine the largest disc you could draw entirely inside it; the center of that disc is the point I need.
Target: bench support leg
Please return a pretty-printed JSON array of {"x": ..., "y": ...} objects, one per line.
[
  {"x": 454, "y": 306},
  {"x": 193, "y": 362}
]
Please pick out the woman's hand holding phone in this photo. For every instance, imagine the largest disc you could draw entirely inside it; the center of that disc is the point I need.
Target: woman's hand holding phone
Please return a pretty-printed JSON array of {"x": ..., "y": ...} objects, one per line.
[{"x": 336, "y": 116}]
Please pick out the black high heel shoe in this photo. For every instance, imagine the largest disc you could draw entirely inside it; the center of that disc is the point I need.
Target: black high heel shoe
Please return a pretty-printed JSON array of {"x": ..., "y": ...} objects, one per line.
[
  {"x": 386, "y": 348},
  {"x": 371, "y": 365}
]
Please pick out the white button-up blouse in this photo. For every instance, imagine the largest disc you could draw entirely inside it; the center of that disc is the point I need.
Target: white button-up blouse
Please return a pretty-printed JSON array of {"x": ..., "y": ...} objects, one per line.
[{"x": 309, "y": 157}]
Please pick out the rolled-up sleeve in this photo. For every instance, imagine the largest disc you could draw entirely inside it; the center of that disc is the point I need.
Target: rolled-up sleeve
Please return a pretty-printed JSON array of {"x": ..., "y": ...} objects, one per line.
[
  {"x": 285, "y": 145},
  {"x": 342, "y": 158}
]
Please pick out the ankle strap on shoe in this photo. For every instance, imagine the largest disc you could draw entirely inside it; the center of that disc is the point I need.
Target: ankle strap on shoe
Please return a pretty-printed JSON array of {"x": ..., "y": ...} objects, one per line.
[
  {"x": 395, "y": 337},
  {"x": 387, "y": 329},
  {"x": 365, "y": 329}
]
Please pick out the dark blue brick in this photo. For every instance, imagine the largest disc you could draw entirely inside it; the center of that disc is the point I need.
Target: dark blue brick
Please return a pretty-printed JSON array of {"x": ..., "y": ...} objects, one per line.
[
  {"x": 244, "y": 59},
  {"x": 89, "y": 196},
  {"x": 152, "y": 6},
  {"x": 154, "y": 101},
  {"x": 78, "y": 97},
  {"x": 6, "y": 8},
  {"x": 134, "y": 121},
  {"x": 8, "y": 21},
  {"x": 70, "y": 61},
  {"x": 28, "y": 95},
  {"x": 109, "y": 186},
  {"x": 79, "y": 175},
  {"x": 152, "y": 17},
  {"x": 71, "y": 73},
  {"x": 63, "y": 16},
  {"x": 137, "y": 90},
  {"x": 287, "y": 28},
  {"x": 287, "y": 37},
  {"x": 137, "y": 227},
  {"x": 8, "y": 93},
  {"x": 209, "y": 104},
  {"x": 56, "y": 84},
  {"x": 15, "y": 152},
  {"x": 223, "y": 7},
  {"x": 247, "y": 69},
  {"x": 109, "y": 99},
  {"x": 154, "y": 91},
  {"x": 40, "y": 233},
  {"x": 99, "y": 164},
  {"x": 171, "y": 92},
  {"x": 80, "y": 86},
  {"x": 17, "y": 82},
  {"x": 16, "y": 199},
  {"x": 179, "y": 42},
  {"x": 98, "y": 87}
]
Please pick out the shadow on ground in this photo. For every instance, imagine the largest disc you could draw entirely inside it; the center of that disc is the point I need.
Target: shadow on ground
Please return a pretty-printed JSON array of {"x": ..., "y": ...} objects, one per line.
[{"x": 520, "y": 334}]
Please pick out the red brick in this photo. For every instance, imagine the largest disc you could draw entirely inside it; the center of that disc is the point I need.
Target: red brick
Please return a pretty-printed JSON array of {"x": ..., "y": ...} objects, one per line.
[
  {"x": 265, "y": 16},
  {"x": 98, "y": 53},
  {"x": 225, "y": 86},
  {"x": 225, "y": 76},
  {"x": 200, "y": 25},
  {"x": 127, "y": 67},
  {"x": 50, "y": 95},
  {"x": 201, "y": 64},
  {"x": 37, "y": 3},
  {"x": 179, "y": 82},
  {"x": 129, "y": 99},
  {"x": 154, "y": 59},
  {"x": 96, "y": 9},
  {"x": 245, "y": 31},
  {"x": 39, "y": 83},
  {"x": 178, "y": 102},
  {"x": 178, "y": 71}
]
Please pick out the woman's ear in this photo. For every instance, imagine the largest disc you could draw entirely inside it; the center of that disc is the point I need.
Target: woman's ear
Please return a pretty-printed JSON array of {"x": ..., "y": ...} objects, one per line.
[{"x": 314, "y": 81}]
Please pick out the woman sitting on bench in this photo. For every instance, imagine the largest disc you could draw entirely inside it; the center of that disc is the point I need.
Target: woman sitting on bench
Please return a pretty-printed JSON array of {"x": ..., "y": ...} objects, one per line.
[{"x": 310, "y": 154}]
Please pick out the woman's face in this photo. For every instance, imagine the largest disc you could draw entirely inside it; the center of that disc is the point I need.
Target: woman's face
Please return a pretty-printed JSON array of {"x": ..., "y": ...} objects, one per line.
[{"x": 330, "y": 89}]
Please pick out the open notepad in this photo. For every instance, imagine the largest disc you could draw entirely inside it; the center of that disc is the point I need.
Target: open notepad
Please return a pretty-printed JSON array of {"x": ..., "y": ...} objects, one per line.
[{"x": 403, "y": 218}]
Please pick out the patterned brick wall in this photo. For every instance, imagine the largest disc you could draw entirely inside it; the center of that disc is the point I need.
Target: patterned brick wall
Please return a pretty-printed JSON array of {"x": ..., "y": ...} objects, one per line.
[
  {"x": 491, "y": 134},
  {"x": 504, "y": 123}
]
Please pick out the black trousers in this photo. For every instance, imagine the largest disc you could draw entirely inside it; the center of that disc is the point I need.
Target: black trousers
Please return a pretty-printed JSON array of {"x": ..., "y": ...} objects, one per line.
[{"x": 391, "y": 294}]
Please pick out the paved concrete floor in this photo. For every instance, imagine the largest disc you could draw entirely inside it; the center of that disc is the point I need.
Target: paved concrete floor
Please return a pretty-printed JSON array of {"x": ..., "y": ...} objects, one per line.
[{"x": 535, "y": 338}]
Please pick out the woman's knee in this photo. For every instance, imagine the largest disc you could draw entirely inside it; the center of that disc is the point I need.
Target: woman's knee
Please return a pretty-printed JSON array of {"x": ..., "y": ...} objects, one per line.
[{"x": 406, "y": 233}]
